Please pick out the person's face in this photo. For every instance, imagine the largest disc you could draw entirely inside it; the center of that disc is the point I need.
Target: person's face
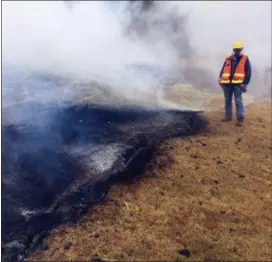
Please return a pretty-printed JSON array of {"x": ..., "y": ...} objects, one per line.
[{"x": 237, "y": 51}]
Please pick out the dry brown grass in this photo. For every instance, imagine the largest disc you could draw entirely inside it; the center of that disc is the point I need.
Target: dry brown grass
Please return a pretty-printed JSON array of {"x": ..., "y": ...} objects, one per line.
[
  {"x": 210, "y": 194},
  {"x": 192, "y": 97}
]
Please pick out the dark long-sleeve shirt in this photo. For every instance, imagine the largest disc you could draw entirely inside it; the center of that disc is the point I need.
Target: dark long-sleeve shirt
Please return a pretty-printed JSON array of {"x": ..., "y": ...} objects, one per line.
[{"x": 234, "y": 63}]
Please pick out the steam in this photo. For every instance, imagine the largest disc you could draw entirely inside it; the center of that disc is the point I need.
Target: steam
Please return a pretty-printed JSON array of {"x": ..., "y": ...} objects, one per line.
[
  {"x": 85, "y": 42},
  {"x": 214, "y": 26},
  {"x": 132, "y": 48}
]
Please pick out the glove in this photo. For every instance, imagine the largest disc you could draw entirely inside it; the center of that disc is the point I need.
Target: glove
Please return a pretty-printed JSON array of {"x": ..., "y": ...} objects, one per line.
[{"x": 244, "y": 88}]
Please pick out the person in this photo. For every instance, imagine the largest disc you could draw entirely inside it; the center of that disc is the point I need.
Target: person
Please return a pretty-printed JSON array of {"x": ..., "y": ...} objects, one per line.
[{"x": 234, "y": 78}]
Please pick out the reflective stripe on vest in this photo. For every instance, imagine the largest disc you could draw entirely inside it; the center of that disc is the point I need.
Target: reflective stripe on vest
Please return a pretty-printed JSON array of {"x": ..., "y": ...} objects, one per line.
[{"x": 239, "y": 74}]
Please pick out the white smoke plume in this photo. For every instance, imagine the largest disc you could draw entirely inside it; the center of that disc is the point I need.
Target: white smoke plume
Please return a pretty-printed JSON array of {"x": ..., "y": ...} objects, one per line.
[{"x": 87, "y": 41}]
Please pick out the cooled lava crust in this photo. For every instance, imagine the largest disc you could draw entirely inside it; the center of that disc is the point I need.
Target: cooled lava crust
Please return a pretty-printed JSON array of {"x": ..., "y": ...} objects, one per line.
[{"x": 62, "y": 159}]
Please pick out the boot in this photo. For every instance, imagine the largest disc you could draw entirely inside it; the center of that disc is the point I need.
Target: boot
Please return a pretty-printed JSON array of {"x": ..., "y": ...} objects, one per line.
[{"x": 240, "y": 122}]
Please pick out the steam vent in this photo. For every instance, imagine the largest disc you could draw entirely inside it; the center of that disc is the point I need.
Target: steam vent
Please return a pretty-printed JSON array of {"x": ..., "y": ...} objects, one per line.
[{"x": 59, "y": 159}]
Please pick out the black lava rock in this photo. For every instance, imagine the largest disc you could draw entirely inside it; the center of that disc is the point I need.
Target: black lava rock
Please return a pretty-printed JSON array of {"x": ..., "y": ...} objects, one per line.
[
  {"x": 58, "y": 163},
  {"x": 67, "y": 245},
  {"x": 185, "y": 252}
]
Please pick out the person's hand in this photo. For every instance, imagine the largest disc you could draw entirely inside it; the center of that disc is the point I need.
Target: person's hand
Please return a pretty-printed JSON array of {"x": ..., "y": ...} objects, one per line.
[{"x": 244, "y": 88}]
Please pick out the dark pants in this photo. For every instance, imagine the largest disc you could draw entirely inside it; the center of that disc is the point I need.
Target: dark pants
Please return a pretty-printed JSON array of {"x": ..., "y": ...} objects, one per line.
[{"x": 229, "y": 90}]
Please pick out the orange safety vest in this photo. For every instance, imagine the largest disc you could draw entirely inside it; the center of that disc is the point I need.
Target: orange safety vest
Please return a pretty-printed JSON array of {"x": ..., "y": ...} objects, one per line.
[{"x": 239, "y": 74}]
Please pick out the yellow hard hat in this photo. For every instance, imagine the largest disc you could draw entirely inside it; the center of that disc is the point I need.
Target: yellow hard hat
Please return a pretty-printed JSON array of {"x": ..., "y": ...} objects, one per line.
[{"x": 238, "y": 45}]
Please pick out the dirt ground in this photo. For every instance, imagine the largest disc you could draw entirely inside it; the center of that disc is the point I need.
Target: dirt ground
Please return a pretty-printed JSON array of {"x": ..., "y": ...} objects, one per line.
[{"x": 206, "y": 197}]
